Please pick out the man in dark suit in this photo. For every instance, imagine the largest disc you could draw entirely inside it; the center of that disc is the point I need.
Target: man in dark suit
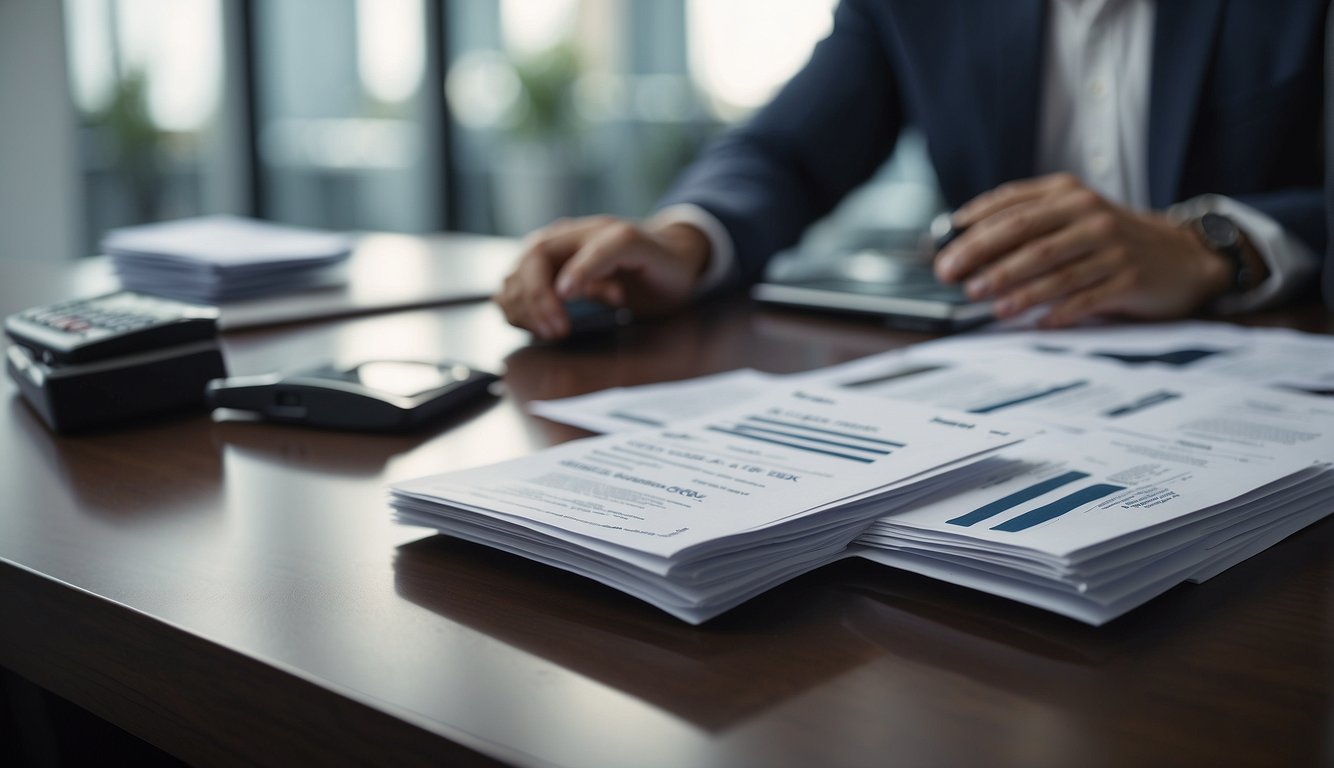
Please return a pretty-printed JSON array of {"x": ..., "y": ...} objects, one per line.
[{"x": 1106, "y": 157}]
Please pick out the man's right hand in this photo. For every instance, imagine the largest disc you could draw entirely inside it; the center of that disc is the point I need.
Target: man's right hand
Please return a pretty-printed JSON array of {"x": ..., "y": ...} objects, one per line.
[{"x": 614, "y": 261}]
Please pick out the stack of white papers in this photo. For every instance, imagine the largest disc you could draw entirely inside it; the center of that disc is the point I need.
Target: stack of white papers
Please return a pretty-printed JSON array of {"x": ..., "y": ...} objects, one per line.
[
  {"x": 1094, "y": 524},
  {"x": 1158, "y": 464},
  {"x": 702, "y": 516},
  {"x": 216, "y": 259}
]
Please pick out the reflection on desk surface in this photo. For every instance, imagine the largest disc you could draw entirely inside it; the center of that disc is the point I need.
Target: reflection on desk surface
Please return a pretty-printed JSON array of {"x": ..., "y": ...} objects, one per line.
[
  {"x": 327, "y": 451},
  {"x": 319, "y": 451},
  {"x": 389, "y": 271},
  {"x": 132, "y": 474},
  {"x": 802, "y": 640},
  {"x": 715, "y": 676}
]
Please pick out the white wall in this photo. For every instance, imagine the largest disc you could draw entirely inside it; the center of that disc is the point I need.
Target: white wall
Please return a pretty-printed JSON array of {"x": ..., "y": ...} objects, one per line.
[{"x": 39, "y": 195}]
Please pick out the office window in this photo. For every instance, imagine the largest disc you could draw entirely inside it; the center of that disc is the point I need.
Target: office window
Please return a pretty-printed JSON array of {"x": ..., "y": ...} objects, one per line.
[
  {"x": 491, "y": 116},
  {"x": 344, "y": 121},
  {"x": 568, "y": 107},
  {"x": 742, "y": 51},
  {"x": 147, "y": 81}
]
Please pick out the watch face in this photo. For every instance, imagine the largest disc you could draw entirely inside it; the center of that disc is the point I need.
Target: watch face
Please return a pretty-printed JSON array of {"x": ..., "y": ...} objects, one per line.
[{"x": 1219, "y": 230}]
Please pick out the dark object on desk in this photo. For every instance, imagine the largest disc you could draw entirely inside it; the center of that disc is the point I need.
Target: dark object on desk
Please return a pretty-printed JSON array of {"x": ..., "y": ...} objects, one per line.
[
  {"x": 943, "y": 232},
  {"x": 898, "y": 286},
  {"x": 590, "y": 318},
  {"x": 379, "y": 395},
  {"x": 111, "y": 325},
  {"x": 112, "y": 359},
  {"x": 73, "y": 398}
]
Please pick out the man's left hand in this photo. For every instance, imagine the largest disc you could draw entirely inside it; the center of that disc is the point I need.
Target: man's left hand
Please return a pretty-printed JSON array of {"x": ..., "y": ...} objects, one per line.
[{"x": 1051, "y": 240}]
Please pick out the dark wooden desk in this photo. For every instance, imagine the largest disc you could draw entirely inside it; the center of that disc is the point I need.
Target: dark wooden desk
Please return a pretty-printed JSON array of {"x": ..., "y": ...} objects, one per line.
[{"x": 236, "y": 593}]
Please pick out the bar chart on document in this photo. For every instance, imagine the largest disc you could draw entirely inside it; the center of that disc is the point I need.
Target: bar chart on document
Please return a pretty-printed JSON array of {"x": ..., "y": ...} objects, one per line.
[{"x": 988, "y": 513}]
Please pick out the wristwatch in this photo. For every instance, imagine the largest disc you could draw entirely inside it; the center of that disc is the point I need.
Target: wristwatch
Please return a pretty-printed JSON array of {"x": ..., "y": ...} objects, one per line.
[{"x": 1222, "y": 236}]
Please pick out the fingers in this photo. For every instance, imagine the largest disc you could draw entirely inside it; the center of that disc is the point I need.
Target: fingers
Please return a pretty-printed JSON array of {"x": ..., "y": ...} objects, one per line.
[
  {"x": 528, "y": 301},
  {"x": 527, "y": 296},
  {"x": 1103, "y": 298},
  {"x": 1010, "y": 194},
  {"x": 609, "y": 292},
  {"x": 624, "y": 265},
  {"x": 599, "y": 258},
  {"x": 615, "y": 247},
  {"x": 1063, "y": 284},
  {"x": 1031, "y": 259},
  {"x": 1046, "y": 241},
  {"x": 997, "y": 236}
]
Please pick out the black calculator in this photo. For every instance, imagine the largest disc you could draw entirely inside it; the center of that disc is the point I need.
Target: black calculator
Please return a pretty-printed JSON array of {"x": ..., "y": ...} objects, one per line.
[
  {"x": 112, "y": 325},
  {"x": 113, "y": 359}
]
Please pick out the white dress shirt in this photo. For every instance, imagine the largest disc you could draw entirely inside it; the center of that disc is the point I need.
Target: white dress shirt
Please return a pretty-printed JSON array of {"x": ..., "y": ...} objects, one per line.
[{"x": 1094, "y": 124}]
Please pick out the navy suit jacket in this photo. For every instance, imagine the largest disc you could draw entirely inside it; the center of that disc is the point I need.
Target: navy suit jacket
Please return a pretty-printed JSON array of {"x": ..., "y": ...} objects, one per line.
[
  {"x": 1329, "y": 158},
  {"x": 1235, "y": 109}
]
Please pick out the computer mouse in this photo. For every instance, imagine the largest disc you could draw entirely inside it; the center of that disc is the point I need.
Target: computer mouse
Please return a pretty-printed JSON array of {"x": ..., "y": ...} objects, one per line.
[{"x": 590, "y": 318}]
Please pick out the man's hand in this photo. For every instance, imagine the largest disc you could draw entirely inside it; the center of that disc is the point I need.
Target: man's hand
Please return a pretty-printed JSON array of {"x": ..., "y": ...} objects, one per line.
[
  {"x": 1051, "y": 240},
  {"x": 616, "y": 262}
]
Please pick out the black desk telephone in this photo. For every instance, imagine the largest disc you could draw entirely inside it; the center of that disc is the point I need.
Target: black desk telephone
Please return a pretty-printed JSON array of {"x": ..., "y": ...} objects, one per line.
[{"x": 108, "y": 359}]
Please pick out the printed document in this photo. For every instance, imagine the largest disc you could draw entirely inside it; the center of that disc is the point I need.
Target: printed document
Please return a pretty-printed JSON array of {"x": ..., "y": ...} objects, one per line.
[
  {"x": 701, "y": 515},
  {"x": 1170, "y": 453}
]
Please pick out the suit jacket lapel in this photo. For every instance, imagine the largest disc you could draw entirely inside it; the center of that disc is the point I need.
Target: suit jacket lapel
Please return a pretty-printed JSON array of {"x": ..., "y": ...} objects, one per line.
[
  {"x": 1014, "y": 36},
  {"x": 1183, "y": 39}
]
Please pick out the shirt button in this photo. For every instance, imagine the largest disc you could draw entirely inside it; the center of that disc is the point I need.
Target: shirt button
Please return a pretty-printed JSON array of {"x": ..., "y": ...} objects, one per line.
[
  {"x": 1098, "y": 162},
  {"x": 1097, "y": 87}
]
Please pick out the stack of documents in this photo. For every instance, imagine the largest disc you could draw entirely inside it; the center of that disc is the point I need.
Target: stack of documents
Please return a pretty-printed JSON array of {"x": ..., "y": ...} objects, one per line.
[
  {"x": 1092, "y": 525},
  {"x": 216, "y": 259},
  {"x": 1167, "y": 454},
  {"x": 700, "y": 517}
]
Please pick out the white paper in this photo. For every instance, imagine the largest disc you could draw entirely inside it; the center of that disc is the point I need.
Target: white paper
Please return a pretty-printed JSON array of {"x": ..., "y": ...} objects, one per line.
[
  {"x": 225, "y": 242},
  {"x": 624, "y": 409},
  {"x": 1279, "y": 357},
  {"x": 1092, "y": 525},
  {"x": 1166, "y": 459},
  {"x": 660, "y": 492}
]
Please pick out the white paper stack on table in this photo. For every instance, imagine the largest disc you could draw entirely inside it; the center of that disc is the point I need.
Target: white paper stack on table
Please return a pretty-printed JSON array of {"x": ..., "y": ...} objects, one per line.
[
  {"x": 1147, "y": 476},
  {"x": 701, "y": 516},
  {"x": 216, "y": 259},
  {"x": 1093, "y": 525}
]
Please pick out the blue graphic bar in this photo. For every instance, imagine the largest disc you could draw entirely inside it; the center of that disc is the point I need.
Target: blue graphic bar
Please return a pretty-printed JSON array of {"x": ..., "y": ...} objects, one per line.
[
  {"x": 1057, "y": 508},
  {"x": 1177, "y": 357},
  {"x": 1029, "y": 398},
  {"x": 1148, "y": 401},
  {"x": 809, "y": 449},
  {"x": 803, "y": 427},
  {"x": 626, "y": 416},
  {"x": 1015, "y": 499},
  {"x": 892, "y": 376},
  {"x": 780, "y": 433}
]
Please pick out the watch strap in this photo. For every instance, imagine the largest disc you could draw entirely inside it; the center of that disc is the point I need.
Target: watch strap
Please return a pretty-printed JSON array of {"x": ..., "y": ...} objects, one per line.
[{"x": 1222, "y": 236}]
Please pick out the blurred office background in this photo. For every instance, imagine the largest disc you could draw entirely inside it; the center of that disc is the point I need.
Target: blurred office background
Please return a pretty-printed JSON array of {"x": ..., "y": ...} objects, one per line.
[{"x": 490, "y": 116}]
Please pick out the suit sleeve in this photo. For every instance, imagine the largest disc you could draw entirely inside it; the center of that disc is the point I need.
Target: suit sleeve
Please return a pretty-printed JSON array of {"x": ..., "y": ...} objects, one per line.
[
  {"x": 1300, "y": 211},
  {"x": 825, "y": 132},
  {"x": 1329, "y": 163}
]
